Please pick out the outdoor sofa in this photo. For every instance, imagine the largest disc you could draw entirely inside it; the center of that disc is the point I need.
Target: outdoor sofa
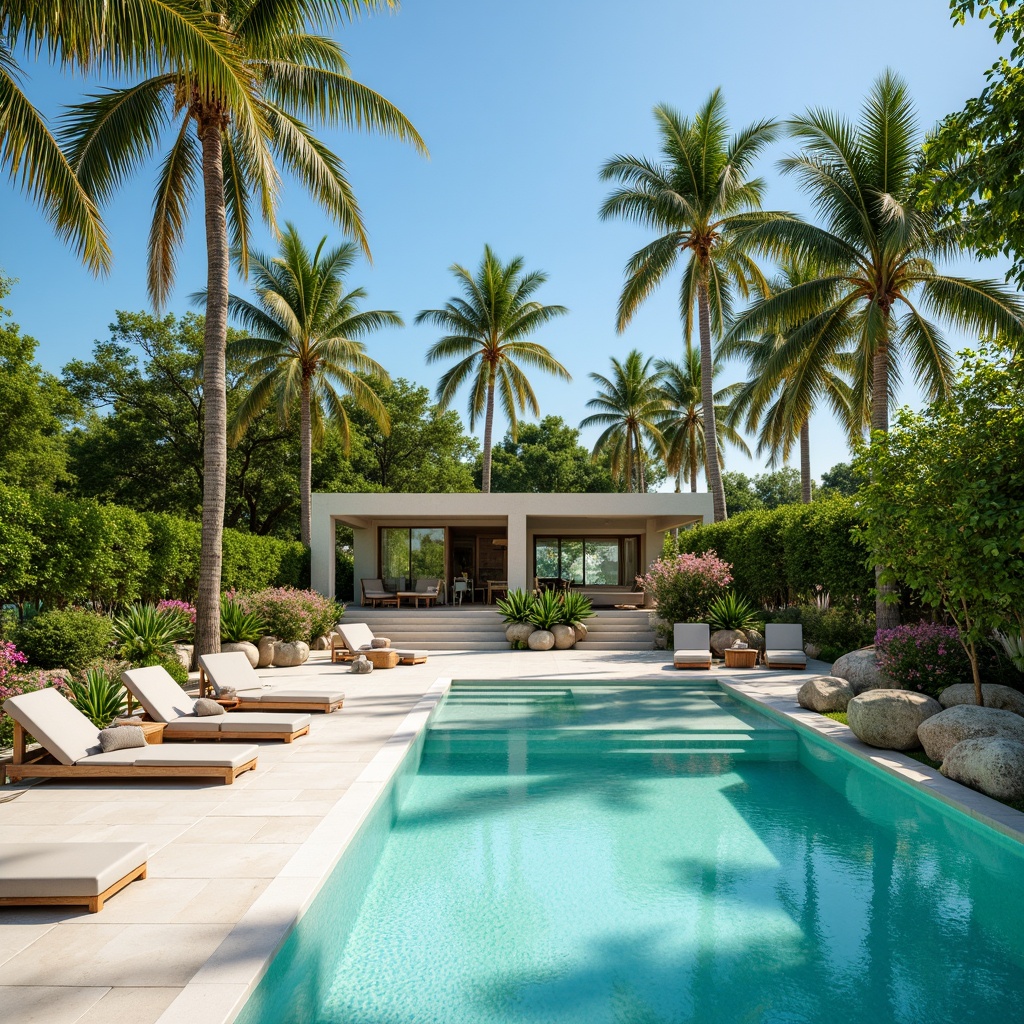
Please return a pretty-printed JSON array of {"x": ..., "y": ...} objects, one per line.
[
  {"x": 165, "y": 701},
  {"x": 72, "y": 750},
  {"x": 357, "y": 637},
  {"x": 692, "y": 642},
  {"x": 67, "y": 874},
  {"x": 232, "y": 671},
  {"x": 375, "y": 593},
  {"x": 784, "y": 645}
]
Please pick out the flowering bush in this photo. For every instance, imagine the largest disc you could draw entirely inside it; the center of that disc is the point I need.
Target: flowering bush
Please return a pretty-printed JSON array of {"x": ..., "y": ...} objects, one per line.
[
  {"x": 925, "y": 656},
  {"x": 291, "y": 614},
  {"x": 14, "y": 679},
  {"x": 184, "y": 613},
  {"x": 683, "y": 586}
]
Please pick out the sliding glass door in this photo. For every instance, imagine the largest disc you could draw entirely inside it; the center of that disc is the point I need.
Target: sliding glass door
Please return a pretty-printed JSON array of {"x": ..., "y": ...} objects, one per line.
[{"x": 412, "y": 553}]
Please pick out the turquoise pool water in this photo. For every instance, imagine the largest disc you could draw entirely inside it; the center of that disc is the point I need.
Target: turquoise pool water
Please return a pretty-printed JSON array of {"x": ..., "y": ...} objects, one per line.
[{"x": 638, "y": 856}]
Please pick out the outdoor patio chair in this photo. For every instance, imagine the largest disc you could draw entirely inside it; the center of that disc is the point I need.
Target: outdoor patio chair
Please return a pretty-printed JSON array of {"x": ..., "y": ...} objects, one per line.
[
  {"x": 357, "y": 637},
  {"x": 784, "y": 646},
  {"x": 67, "y": 874},
  {"x": 692, "y": 642},
  {"x": 72, "y": 750},
  {"x": 165, "y": 701},
  {"x": 428, "y": 590},
  {"x": 375, "y": 593},
  {"x": 231, "y": 670}
]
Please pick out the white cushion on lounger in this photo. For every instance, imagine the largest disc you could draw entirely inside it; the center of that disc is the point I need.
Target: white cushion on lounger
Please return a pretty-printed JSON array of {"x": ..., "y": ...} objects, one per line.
[
  {"x": 65, "y": 869},
  {"x": 214, "y": 755},
  {"x": 261, "y": 721},
  {"x": 209, "y": 724},
  {"x": 692, "y": 657},
  {"x": 786, "y": 657},
  {"x": 56, "y": 723},
  {"x": 324, "y": 696},
  {"x": 410, "y": 654},
  {"x": 355, "y": 634},
  {"x": 231, "y": 669},
  {"x": 163, "y": 699}
]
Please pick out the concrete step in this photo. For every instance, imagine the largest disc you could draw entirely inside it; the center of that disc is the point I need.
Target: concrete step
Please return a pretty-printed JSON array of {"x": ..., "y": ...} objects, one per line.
[{"x": 618, "y": 645}]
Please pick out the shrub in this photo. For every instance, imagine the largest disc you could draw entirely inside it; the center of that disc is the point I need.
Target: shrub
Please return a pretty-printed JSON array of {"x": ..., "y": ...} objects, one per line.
[
  {"x": 292, "y": 614},
  {"x": 684, "y": 586},
  {"x": 516, "y": 606},
  {"x": 66, "y": 638},
  {"x": 238, "y": 625},
  {"x": 926, "y": 656},
  {"x": 173, "y": 557},
  {"x": 732, "y": 611},
  {"x": 100, "y": 698},
  {"x": 835, "y": 631},
  {"x": 184, "y": 613},
  {"x": 576, "y": 607},
  {"x": 145, "y": 634},
  {"x": 547, "y": 610}
]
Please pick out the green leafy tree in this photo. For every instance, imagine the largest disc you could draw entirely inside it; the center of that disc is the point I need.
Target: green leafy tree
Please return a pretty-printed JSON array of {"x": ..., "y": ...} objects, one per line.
[
  {"x": 304, "y": 346},
  {"x": 777, "y": 401},
  {"x": 487, "y": 330},
  {"x": 682, "y": 422},
  {"x": 547, "y": 458},
  {"x": 974, "y": 173},
  {"x": 35, "y": 410},
  {"x": 698, "y": 197},
  {"x": 876, "y": 248},
  {"x": 779, "y": 487},
  {"x": 842, "y": 479},
  {"x": 740, "y": 492},
  {"x": 425, "y": 451},
  {"x": 228, "y": 138},
  {"x": 945, "y": 501},
  {"x": 631, "y": 407}
]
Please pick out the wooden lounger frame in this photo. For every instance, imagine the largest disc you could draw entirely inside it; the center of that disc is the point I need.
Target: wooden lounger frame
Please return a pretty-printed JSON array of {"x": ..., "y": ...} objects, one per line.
[
  {"x": 199, "y": 734},
  {"x": 788, "y": 665},
  {"x": 42, "y": 765},
  {"x": 695, "y": 668},
  {"x": 94, "y": 903},
  {"x": 241, "y": 704}
]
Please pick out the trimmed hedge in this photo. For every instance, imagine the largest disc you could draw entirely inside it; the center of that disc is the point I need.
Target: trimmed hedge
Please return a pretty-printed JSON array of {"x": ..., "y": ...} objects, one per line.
[
  {"x": 57, "y": 551},
  {"x": 786, "y": 554}
]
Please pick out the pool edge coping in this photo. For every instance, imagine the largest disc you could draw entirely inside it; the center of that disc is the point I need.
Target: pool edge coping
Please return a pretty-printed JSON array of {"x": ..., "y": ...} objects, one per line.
[
  {"x": 218, "y": 991},
  {"x": 922, "y": 778}
]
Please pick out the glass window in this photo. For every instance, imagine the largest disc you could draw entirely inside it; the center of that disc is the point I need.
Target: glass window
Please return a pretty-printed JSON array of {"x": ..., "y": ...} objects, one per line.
[
  {"x": 587, "y": 561},
  {"x": 572, "y": 561},
  {"x": 602, "y": 562},
  {"x": 546, "y": 557},
  {"x": 394, "y": 552},
  {"x": 412, "y": 553}
]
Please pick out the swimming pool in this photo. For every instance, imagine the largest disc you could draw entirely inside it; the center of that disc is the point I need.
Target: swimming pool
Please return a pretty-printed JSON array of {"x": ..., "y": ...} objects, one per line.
[{"x": 640, "y": 855}]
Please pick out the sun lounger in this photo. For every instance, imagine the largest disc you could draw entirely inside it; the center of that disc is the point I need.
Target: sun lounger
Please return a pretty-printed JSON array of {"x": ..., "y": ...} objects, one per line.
[
  {"x": 67, "y": 874},
  {"x": 357, "y": 637},
  {"x": 165, "y": 701},
  {"x": 784, "y": 646},
  {"x": 71, "y": 748},
  {"x": 254, "y": 693},
  {"x": 692, "y": 641}
]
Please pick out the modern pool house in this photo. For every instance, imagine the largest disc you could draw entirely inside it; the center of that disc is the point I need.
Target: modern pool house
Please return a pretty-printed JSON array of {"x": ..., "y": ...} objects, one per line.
[{"x": 598, "y": 543}]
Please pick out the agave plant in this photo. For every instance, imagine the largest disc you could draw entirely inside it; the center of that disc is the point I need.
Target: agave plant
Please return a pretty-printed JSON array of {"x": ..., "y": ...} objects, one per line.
[
  {"x": 1014, "y": 648},
  {"x": 547, "y": 610},
  {"x": 239, "y": 626},
  {"x": 146, "y": 635},
  {"x": 517, "y": 606},
  {"x": 731, "y": 611},
  {"x": 575, "y": 607},
  {"x": 100, "y": 698}
]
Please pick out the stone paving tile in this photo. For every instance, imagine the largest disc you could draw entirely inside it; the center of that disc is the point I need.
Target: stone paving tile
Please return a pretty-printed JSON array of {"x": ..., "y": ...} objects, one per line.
[
  {"x": 130, "y": 1006},
  {"x": 223, "y": 829},
  {"x": 234, "y": 860},
  {"x": 48, "y": 1004},
  {"x": 15, "y": 937}
]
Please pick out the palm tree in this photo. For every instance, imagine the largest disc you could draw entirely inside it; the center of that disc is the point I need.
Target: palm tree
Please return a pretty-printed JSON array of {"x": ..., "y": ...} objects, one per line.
[
  {"x": 682, "y": 422},
  {"x": 632, "y": 406},
  {"x": 487, "y": 328},
  {"x": 305, "y": 331},
  {"x": 875, "y": 249},
  {"x": 778, "y": 400},
  {"x": 698, "y": 197},
  {"x": 226, "y": 141}
]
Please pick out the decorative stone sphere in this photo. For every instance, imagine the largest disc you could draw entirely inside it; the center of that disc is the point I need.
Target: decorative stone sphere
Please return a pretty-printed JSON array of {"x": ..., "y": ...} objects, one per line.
[
  {"x": 565, "y": 637},
  {"x": 580, "y": 630},
  {"x": 519, "y": 632},
  {"x": 266, "y": 651},
  {"x": 290, "y": 655},
  {"x": 723, "y": 638},
  {"x": 246, "y": 648},
  {"x": 540, "y": 640}
]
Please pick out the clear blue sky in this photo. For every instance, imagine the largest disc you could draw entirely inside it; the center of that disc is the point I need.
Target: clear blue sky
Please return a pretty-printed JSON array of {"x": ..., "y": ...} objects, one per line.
[{"x": 520, "y": 104}]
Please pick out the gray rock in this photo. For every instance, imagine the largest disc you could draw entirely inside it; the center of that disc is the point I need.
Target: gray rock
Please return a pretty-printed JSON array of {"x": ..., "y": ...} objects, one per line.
[
  {"x": 825, "y": 693},
  {"x": 890, "y": 718},
  {"x": 540, "y": 640},
  {"x": 290, "y": 655},
  {"x": 860, "y": 669},
  {"x": 519, "y": 632},
  {"x": 183, "y": 652},
  {"x": 723, "y": 638},
  {"x": 812, "y": 651},
  {"x": 1005, "y": 698},
  {"x": 266, "y": 651},
  {"x": 945, "y": 730},
  {"x": 580, "y": 630},
  {"x": 248, "y": 649},
  {"x": 361, "y": 666},
  {"x": 565, "y": 637},
  {"x": 992, "y": 764}
]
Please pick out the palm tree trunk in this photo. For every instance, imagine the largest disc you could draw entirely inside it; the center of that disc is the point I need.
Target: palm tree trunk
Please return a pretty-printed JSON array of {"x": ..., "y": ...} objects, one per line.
[
  {"x": 887, "y": 616},
  {"x": 305, "y": 467},
  {"x": 693, "y": 460},
  {"x": 805, "y": 462},
  {"x": 707, "y": 401},
  {"x": 215, "y": 440},
  {"x": 488, "y": 427}
]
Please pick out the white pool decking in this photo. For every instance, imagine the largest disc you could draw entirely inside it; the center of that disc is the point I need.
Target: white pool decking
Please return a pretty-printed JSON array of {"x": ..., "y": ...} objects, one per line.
[{"x": 228, "y": 864}]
